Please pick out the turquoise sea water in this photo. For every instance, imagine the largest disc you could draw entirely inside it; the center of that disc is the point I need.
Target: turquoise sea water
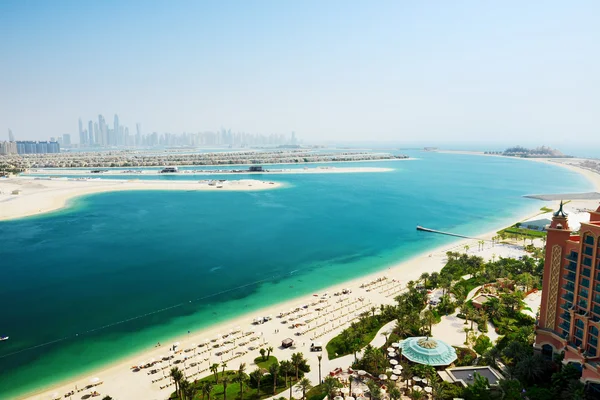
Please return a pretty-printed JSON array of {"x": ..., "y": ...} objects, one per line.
[{"x": 117, "y": 272}]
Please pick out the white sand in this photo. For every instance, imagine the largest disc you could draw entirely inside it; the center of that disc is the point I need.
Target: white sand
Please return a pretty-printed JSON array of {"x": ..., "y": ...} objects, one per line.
[
  {"x": 120, "y": 382},
  {"x": 40, "y": 196}
]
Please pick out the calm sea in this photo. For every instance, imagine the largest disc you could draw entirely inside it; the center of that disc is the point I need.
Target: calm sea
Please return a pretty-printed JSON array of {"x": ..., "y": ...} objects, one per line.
[{"x": 117, "y": 272}]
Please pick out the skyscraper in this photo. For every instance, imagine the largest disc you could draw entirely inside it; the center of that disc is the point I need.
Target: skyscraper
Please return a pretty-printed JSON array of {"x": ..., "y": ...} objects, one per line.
[
  {"x": 66, "y": 139},
  {"x": 103, "y": 130},
  {"x": 91, "y": 132},
  {"x": 11, "y": 137},
  {"x": 82, "y": 135},
  {"x": 569, "y": 318},
  {"x": 117, "y": 132}
]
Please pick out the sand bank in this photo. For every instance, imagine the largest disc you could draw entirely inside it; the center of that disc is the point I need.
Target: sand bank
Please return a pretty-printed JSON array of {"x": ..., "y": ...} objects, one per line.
[
  {"x": 38, "y": 196},
  {"x": 200, "y": 171}
]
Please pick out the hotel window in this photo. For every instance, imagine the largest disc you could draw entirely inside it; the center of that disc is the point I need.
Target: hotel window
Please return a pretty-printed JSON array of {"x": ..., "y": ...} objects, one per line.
[
  {"x": 588, "y": 250},
  {"x": 583, "y": 304},
  {"x": 585, "y": 282},
  {"x": 579, "y": 323},
  {"x": 583, "y": 293},
  {"x": 597, "y": 310},
  {"x": 579, "y": 333},
  {"x": 591, "y": 351},
  {"x": 589, "y": 239},
  {"x": 596, "y": 300},
  {"x": 593, "y": 340},
  {"x": 587, "y": 261}
]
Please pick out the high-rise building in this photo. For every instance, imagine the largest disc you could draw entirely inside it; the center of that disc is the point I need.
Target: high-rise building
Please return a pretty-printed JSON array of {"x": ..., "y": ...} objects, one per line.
[
  {"x": 7, "y": 148},
  {"x": 116, "y": 131},
  {"x": 66, "y": 139},
  {"x": 11, "y": 137},
  {"x": 569, "y": 319},
  {"x": 82, "y": 135},
  {"x": 103, "y": 131},
  {"x": 31, "y": 147},
  {"x": 91, "y": 133}
]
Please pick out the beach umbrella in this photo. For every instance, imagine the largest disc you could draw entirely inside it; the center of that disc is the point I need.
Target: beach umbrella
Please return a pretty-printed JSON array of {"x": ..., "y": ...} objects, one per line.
[
  {"x": 345, "y": 390},
  {"x": 394, "y": 377},
  {"x": 394, "y": 362},
  {"x": 428, "y": 389},
  {"x": 362, "y": 373},
  {"x": 395, "y": 344},
  {"x": 382, "y": 376},
  {"x": 338, "y": 398},
  {"x": 94, "y": 380},
  {"x": 349, "y": 398},
  {"x": 416, "y": 379},
  {"x": 55, "y": 396},
  {"x": 425, "y": 381},
  {"x": 417, "y": 388},
  {"x": 390, "y": 349}
]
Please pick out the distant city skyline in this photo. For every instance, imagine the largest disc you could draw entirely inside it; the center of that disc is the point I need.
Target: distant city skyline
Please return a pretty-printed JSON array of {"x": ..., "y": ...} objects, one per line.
[{"x": 470, "y": 71}]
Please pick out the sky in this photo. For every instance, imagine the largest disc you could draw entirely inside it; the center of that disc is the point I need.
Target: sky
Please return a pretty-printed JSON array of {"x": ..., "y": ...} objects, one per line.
[{"x": 515, "y": 72}]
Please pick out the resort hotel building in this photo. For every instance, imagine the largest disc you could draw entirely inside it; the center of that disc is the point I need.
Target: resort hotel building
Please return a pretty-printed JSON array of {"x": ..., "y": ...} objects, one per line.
[{"x": 569, "y": 319}]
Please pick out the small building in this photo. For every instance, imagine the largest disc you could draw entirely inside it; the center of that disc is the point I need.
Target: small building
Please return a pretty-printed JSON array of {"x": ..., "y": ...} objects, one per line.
[
  {"x": 465, "y": 376},
  {"x": 256, "y": 168},
  {"x": 285, "y": 343}
]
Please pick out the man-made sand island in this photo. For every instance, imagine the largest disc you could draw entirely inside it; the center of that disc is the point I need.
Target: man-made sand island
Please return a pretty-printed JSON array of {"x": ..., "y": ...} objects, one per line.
[
  {"x": 177, "y": 171},
  {"x": 26, "y": 196}
]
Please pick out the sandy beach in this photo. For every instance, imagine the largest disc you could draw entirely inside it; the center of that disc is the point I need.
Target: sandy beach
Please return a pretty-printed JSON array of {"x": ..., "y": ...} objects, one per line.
[
  {"x": 39, "y": 196},
  {"x": 334, "y": 314}
]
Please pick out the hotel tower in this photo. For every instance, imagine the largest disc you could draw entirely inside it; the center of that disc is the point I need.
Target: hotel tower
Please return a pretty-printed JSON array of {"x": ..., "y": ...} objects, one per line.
[{"x": 569, "y": 319}]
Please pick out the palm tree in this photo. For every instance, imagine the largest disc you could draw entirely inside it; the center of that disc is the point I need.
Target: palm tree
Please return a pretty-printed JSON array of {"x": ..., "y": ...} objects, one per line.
[
  {"x": 416, "y": 395},
  {"x": 262, "y": 353},
  {"x": 184, "y": 386},
  {"x": 224, "y": 365},
  {"x": 225, "y": 381},
  {"x": 466, "y": 330},
  {"x": 297, "y": 359},
  {"x": 395, "y": 393},
  {"x": 331, "y": 385},
  {"x": 274, "y": 370},
  {"x": 208, "y": 387},
  {"x": 269, "y": 350},
  {"x": 424, "y": 277},
  {"x": 285, "y": 367},
  {"x": 177, "y": 376},
  {"x": 406, "y": 374},
  {"x": 201, "y": 386},
  {"x": 467, "y": 247},
  {"x": 190, "y": 392},
  {"x": 429, "y": 319},
  {"x": 374, "y": 390},
  {"x": 214, "y": 368},
  {"x": 304, "y": 385},
  {"x": 257, "y": 375},
  {"x": 320, "y": 357},
  {"x": 241, "y": 378}
]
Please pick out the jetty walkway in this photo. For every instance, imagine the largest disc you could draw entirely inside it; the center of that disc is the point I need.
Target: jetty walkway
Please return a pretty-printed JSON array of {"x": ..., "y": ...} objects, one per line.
[{"x": 420, "y": 228}]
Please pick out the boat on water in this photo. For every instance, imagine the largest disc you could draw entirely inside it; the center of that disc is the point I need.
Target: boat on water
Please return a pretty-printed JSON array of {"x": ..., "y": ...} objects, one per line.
[{"x": 3, "y": 338}]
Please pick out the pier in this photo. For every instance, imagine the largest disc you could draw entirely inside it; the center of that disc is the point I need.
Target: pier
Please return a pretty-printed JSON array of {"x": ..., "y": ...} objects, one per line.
[{"x": 420, "y": 228}]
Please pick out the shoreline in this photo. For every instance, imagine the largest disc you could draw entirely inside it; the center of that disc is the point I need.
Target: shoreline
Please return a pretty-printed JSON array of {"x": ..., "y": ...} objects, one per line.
[
  {"x": 409, "y": 269},
  {"x": 41, "y": 196}
]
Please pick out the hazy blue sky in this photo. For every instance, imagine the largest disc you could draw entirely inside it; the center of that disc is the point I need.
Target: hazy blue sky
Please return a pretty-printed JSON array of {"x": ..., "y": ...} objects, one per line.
[{"x": 342, "y": 70}]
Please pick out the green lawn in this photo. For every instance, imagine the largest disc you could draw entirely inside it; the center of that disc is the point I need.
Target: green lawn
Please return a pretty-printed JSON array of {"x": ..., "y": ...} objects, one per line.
[
  {"x": 265, "y": 363},
  {"x": 233, "y": 388},
  {"x": 336, "y": 349},
  {"x": 316, "y": 393},
  {"x": 528, "y": 233}
]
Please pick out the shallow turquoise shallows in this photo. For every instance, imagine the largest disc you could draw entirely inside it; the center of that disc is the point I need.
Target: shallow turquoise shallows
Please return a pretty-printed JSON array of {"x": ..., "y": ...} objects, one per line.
[{"x": 117, "y": 272}]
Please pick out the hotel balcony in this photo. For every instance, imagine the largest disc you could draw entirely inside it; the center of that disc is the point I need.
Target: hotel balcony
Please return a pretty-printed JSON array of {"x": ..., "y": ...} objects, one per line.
[
  {"x": 567, "y": 296},
  {"x": 566, "y": 316},
  {"x": 566, "y": 306},
  {"x": 564, "y": 325},
  {"x": 570, "y": 276}
]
